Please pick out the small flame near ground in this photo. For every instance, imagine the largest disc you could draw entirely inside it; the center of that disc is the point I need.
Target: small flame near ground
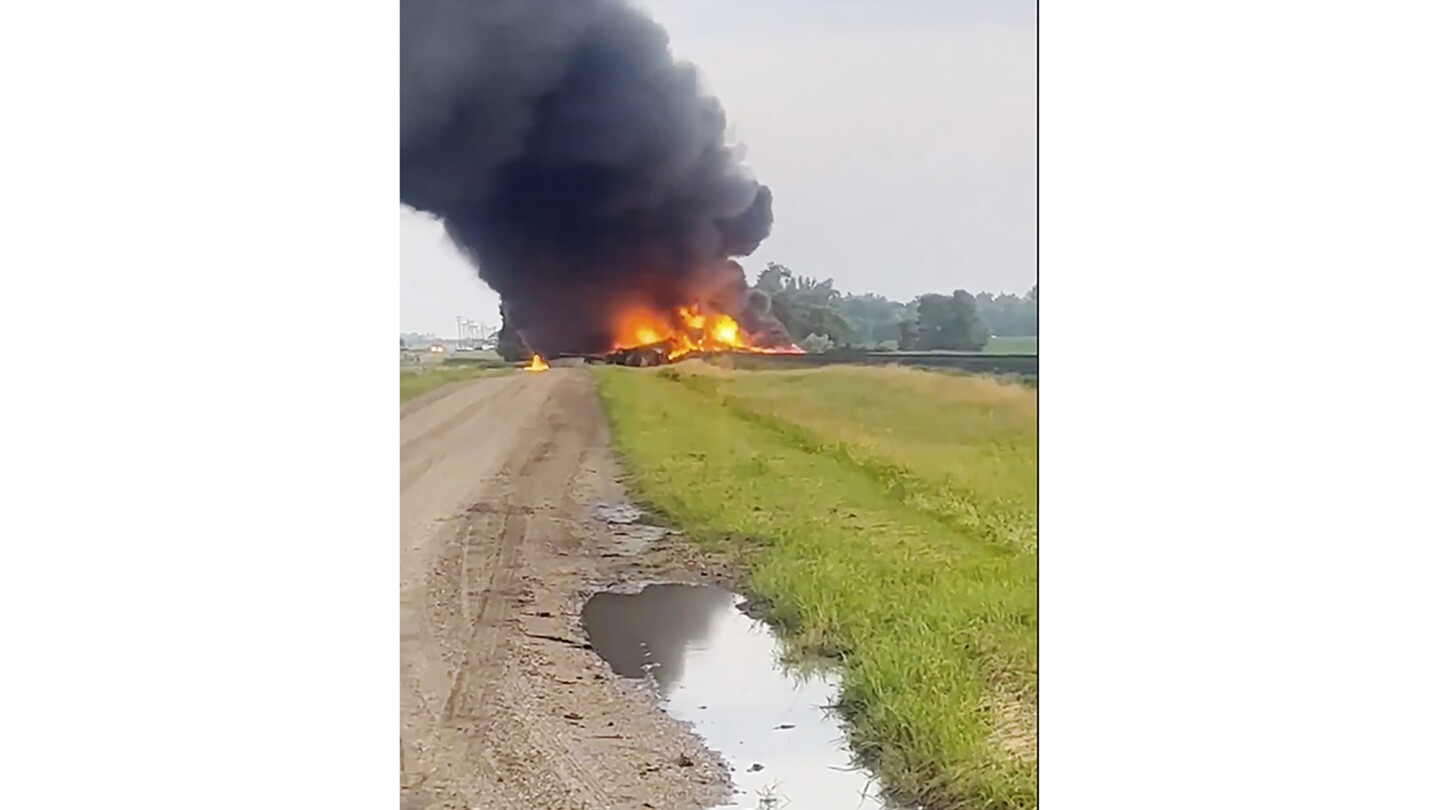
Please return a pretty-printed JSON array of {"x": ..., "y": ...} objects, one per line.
[
  {"x": 689, "y": 330},
  {"x": 537, "y": 363}
]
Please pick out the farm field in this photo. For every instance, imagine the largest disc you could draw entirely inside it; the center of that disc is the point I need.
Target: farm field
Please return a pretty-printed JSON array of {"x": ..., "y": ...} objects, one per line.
[
  {"x": 416, "y": 383},
  {"x": 488, "y": 359},
  {"x": 1013, "y": 345},
  {"x": 882, "y": 516}
]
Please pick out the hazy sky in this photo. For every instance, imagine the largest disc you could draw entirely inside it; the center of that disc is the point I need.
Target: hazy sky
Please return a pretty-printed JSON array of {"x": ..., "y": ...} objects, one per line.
[{"x": 898, "y": 138}]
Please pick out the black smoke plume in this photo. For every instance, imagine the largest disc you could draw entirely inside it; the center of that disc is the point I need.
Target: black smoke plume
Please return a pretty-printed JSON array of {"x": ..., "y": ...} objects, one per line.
[{"x": 582, "y": 169}]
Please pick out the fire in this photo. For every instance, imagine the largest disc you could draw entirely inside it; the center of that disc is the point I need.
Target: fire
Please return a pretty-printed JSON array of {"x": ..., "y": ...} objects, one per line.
[
  {"x": 727, "y": 332},
  {"x": 688, "y": 330},
  {"x": 537, "y": 363}
]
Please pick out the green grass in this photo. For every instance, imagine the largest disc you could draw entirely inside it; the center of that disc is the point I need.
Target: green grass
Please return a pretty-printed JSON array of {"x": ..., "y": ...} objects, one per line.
[
  {"x": 415, "y": 383},
  {"x": 1013, "y": 345},
  {"x": 887, "y": 517},
  {"x": 482, "y": 359}
]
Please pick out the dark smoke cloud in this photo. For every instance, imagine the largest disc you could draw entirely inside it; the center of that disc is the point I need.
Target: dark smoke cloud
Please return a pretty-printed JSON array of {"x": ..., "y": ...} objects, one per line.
[{"x": 580, "y": 167}]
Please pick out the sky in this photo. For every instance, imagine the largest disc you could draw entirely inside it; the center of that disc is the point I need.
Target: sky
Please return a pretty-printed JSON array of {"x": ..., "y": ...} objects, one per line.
[{"x": 898, "y": 138}]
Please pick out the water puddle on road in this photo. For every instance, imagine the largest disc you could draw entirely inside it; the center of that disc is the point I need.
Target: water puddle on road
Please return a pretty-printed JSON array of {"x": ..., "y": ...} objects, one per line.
[{"x": 720, "y": 670}]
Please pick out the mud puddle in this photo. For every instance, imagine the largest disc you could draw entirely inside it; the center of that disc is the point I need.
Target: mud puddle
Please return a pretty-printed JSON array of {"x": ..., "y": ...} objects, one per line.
[{"x": 718, "y": 669}]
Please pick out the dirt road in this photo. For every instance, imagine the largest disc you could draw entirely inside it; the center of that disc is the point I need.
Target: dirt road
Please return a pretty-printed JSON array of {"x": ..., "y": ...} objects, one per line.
[{"x": 502, "y": 703}]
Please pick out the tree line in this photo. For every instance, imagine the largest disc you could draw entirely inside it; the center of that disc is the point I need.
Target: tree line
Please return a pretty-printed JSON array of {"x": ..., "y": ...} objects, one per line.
[{"x": 821, "y": 317}]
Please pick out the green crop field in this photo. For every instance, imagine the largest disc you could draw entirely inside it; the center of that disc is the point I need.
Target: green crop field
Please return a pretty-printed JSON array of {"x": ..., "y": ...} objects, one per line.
[
  {"x": 482, "y": 359},
  {"x": 1013, "y": 345},
  {"x": 886, "y": 517}
]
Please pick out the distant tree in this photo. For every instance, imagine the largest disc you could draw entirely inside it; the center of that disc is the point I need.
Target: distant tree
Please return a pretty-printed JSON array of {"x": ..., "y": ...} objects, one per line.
[
  {"x": 909, "y": 335},
  {"x": 958, "y": 321},
  {"x": 1008, "y": 315},
  {"x": 813, "y": 307},
  {"x": 873, "y": 318},
  {"x": 804, "y": 304},
  {"x": 950, "y": 322},
  {"x": 772, "y": 279},
  {"x": 990, "y": 312}
]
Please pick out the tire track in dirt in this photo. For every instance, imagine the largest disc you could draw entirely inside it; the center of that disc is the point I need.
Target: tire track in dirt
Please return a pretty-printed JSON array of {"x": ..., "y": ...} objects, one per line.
[
  {"x": 494, "y": 566},
  {"x": 502, "y": 704},
  {"x": 425, "y": 435}
]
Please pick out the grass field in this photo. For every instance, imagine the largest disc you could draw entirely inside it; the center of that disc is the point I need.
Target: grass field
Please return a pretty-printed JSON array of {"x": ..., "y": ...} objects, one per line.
[
  {"x": 885, "y": 516},
  {"x": 1013, "y": 345},
  {"x": 415, "y": 383},
  {"x": 484, "y": 359}
]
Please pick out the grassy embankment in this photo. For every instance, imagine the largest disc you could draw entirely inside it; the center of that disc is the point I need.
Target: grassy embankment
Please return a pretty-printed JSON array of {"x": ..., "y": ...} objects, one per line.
[
  {"x": 886, "y": 516},
  {"x": 415, "y": 383}
]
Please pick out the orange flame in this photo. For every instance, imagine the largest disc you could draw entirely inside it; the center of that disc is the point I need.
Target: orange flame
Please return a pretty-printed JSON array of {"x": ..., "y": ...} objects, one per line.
[
  {"x": 537, "y": 363},
  {"x": 688, "y": 330}
]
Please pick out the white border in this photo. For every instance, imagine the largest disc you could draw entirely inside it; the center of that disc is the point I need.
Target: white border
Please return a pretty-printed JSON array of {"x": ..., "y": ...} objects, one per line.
[
  {"x": 1238, "y": 215},
  {"x": 1238, "y": 208},
  {"x": 200, "y": 313}
]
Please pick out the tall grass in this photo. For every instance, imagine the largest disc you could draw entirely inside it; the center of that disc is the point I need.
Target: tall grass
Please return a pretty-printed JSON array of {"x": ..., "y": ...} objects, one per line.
[{"x": 887, "y": 516}]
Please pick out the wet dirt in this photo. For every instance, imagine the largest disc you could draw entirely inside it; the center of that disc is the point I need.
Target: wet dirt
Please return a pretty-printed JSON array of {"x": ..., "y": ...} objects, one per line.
[
  {"x": 720, "y": 671},
  {"x": 513, "y": 517},
  {"x": 503, "y": 704},
  {"x": 626, "y": 522}
]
